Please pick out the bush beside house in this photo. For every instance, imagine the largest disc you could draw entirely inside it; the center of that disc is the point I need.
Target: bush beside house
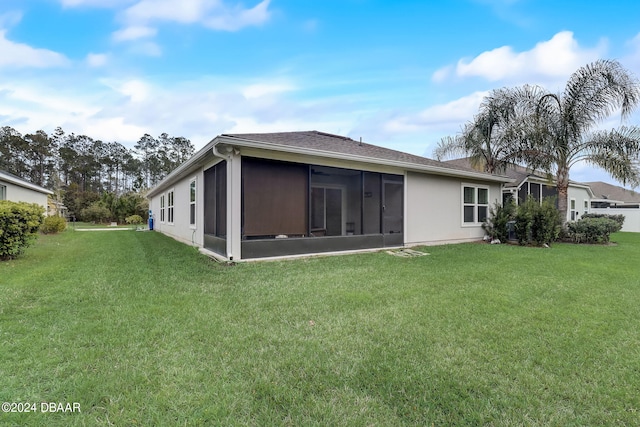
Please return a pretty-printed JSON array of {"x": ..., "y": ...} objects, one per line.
[
  {"x": 539, "y": 224},
  {"x": 535, "y": 223},
  {"x": 19, "y": 224},
  {"x": 594, "y": 228}
]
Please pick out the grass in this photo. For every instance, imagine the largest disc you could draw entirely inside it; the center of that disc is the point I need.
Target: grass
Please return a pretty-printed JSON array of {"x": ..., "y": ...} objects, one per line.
[{"x": 142, "y": 330}]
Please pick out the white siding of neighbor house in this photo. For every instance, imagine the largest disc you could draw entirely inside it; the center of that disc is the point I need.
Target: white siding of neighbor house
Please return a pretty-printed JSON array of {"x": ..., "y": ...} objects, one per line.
[
  {"x": 580, "y": 195},
  {"x": 434, "y": 209},
  {"x": 16, "y": 193},
  {"x": 181, "y": 230}
]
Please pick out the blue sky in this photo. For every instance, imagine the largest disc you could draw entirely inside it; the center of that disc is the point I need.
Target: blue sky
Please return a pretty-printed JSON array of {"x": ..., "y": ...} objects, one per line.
[{"x": 401, "y": 74}]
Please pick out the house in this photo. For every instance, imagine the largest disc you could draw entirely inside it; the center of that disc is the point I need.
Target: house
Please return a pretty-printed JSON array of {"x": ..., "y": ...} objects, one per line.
[
  {"x": 538, "y": 185},
  {"x": 613, "y": 200},
  {"x": 17, "y": 189},
  {"x": 247, "y": 196},
  {"x": 612, "y": 196}
]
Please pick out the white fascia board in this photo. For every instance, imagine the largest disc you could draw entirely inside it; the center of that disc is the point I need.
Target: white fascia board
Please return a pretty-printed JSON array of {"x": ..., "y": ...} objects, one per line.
[
  {"x": 24, "y": 184},
  {"x": 413, "y": 167},
  {"x": 184, "y": 169}
]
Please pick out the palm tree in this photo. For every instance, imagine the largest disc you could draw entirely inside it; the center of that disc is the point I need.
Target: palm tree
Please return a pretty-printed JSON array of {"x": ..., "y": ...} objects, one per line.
[
  {"x": 553, "y": 132},
  {"x": 485, "y": 140}
]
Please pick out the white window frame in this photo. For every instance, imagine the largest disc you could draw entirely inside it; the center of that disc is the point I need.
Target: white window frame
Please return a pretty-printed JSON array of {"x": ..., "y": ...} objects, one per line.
[
  {"x": 171, "y": 206},
  {"x": 573, "y": 212},
  {"x": 3, "y": 192},
  {"x": 193, "y": 197},
  {"x": 162, "y": 208},
  {"x": 585, "y": 207},
  {"x": 475, "y": 204}
]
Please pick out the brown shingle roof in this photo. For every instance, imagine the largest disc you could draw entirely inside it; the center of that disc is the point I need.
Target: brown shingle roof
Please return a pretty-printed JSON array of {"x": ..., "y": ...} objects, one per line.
[
  {"x": 602, "y": 190},
  {"x": 321, "y": 141}
]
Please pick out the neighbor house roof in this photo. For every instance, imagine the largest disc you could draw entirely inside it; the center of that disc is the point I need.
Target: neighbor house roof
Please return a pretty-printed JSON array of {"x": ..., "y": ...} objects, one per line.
[
  {"x": 7, "y": 177},
  {"x": 327, "y": 145},
  {"x": 605, "y": 191},
  {"x": 517, "y": 173}
]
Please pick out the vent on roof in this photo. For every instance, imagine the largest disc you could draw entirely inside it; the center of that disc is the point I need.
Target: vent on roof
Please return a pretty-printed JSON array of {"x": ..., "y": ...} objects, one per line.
[{"x": 333, "y": 136}]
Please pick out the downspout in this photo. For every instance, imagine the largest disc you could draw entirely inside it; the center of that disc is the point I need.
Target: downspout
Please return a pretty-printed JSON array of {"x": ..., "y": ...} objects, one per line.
[{"x": 230, "y": 217}]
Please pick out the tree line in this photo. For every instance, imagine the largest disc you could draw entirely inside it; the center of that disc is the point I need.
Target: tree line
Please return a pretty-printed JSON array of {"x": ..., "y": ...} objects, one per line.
[{"x": 95, "y": 180}]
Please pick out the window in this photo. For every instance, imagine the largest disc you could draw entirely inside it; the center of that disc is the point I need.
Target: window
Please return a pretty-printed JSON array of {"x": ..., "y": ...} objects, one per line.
[
  {"x": 475, "y": 204},
  {"x": 586, "y": 207},
  {"x": 3, "y": 192},
  {"x": 162, "y": 208},
  {"x": 574, "y": 214},
  {"x": 170, "y": 207},
  {"x": 192, "y": 203}
]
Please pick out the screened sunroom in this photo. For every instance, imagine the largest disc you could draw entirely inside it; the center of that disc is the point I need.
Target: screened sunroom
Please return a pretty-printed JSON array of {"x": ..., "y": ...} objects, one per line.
[{"x": 295, "y": 208}]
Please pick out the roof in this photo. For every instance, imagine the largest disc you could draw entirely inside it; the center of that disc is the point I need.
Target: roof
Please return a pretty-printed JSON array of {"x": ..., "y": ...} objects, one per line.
[
  {"x": 326, "y": 145},
  {"x": 517, "y": 173},
  {"x": 605, "y": 191},
  {"x": 321, "y": 141},
  {"x": 7, "y": 177}
]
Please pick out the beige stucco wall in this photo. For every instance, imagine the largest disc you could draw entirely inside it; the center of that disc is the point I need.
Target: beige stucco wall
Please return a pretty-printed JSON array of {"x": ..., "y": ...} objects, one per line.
[
  {"x": 16, "y": 193},
  {"x": 434, "y": 209},
  {"x": 181, "y": 229}
]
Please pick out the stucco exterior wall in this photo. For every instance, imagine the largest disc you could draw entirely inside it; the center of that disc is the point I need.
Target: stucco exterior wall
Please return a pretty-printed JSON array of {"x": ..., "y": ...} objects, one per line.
[
  {"x": 180, "y": 229},
  {"x": 580, "y": 195},
  {"x": 434, "y": 209},
  {"x": 16, "y": 193}
]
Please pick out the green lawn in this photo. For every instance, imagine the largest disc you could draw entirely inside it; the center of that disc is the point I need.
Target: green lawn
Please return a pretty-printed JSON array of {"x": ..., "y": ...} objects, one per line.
[{"x": 141, "y": 330}]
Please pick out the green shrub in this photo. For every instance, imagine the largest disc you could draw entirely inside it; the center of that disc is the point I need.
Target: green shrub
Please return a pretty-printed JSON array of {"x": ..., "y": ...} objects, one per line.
[
  {"x": 134, "y": 219},
  {"x": 53, "y": 224},
  {"x": 617, "y": 218},
  {"x": 524, "y": 220},
  {"x": 593, "y": 229},
  {"x": 546, "y": 222},
  {"x": 96, "y": 211},
  {"x": 537, "y": 223},
  {"x": 496, "y": 224},
  {"x": 19, "y": 224}
]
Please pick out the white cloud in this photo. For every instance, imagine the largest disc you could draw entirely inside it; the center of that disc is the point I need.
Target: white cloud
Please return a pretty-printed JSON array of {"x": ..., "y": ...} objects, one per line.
[
  {"x": 106, "y": 4},
  {"x": 551, "y": 59},
  {"x": 97, "y": 60},
  {"x": 234, "y": 19},
  {"x": 134, "y": 90},
  {"x": 444, "y": 117},
  {"x": 10, "y": 19},
  {"x": 19, "y": 55},
  {"x": 134, "y": 33},
  {"x": 213, "y": 14},
  {"x": 264, "y": 89}
]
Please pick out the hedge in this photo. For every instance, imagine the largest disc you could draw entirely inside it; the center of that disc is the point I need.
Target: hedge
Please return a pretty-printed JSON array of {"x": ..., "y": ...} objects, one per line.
[
  {"x": 19, "y": 224},
  {"x": 593, "y": 230}
]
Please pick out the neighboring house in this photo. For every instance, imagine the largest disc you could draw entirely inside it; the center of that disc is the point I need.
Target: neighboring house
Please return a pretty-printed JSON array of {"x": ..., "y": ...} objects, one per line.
[
  {"x": 19, "y": 190},
  {"x": 538, "y": 185},
  {"x": 253, "y": 196},
  {"x": 614, "y": 200}
]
